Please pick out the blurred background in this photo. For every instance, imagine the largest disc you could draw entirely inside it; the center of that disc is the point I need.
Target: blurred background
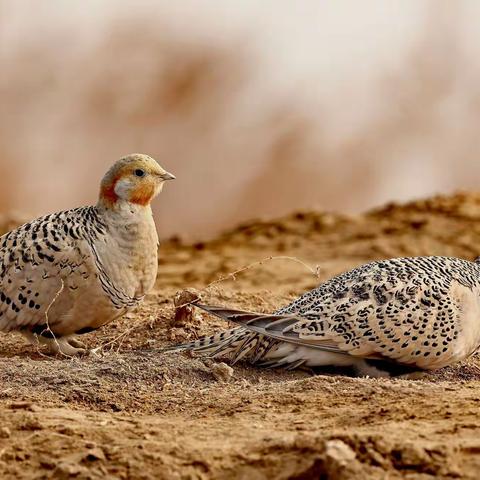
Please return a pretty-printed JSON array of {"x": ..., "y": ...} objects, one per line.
[{"x": 259, "y": 108}]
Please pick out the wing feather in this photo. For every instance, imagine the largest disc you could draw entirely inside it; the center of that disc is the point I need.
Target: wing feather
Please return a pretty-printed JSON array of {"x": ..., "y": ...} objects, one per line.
[{"x": 36, "y": 263}]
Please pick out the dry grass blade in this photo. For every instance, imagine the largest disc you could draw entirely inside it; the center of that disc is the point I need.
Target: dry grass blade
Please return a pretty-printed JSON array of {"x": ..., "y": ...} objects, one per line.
[
  {"x": 47, "y": 322},
  {"x": 114, "y": 340},
  {"x": 315, "y": 271}
]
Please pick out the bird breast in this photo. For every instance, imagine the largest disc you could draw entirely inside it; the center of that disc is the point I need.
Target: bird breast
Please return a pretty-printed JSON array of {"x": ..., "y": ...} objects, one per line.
[{"x": 129, "y": 253}]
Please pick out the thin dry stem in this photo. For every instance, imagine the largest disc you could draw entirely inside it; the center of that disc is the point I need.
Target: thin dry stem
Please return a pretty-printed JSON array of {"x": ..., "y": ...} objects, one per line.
[
  {"x": 315, "y": 271},
  {"x": 118, "y": 337},
  {"x": 232, "y": 275},
  {"x": 48, "y": 329}
]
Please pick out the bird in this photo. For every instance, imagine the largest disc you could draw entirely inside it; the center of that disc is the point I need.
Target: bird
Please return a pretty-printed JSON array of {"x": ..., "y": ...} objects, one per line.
[
  {"x": 69, "y": 273},
  {"x": 399, "y": 317}
]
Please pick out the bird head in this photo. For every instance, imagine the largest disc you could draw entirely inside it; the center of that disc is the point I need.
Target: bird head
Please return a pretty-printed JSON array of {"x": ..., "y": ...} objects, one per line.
[{"x": 136, "y": 179}]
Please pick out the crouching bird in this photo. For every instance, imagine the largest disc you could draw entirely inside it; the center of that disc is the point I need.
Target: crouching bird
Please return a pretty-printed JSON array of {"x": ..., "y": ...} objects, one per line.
[
  {"x": 386, "y": 318},
  {"x": 71, "y": 272}
]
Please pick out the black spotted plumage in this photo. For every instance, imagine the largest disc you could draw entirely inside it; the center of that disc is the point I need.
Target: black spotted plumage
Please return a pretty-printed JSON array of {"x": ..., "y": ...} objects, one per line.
[
  {"x": 422, "y": 312},
  {"x": 65, "y": 240},
  {"x": 24, "y": 253}
]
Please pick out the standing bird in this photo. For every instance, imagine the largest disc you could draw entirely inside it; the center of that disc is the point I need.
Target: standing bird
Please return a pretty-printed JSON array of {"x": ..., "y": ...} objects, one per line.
[
  {"x": 386, "y": 318},
  {"x": 71, "y": 272}
]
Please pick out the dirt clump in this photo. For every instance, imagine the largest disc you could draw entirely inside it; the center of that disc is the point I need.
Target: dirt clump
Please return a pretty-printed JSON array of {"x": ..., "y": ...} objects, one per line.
[
  {"x": 131, "y": 411},
  {"x": 185, "y": 312}
]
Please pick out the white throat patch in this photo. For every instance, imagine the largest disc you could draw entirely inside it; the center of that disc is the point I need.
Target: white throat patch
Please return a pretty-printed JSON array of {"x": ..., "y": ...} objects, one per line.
[{"x": 122, "y": 188}]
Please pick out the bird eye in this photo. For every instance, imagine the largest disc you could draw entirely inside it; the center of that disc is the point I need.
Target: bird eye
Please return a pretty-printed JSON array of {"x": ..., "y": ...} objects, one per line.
[{"x": 139, "y": 172}]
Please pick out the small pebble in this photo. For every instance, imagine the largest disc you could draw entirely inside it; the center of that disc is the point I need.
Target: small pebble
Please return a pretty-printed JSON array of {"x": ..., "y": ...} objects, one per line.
[{"x": 222, "y": 372}]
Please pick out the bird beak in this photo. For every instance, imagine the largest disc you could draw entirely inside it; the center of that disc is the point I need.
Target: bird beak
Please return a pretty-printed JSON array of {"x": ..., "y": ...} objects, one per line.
[{"x": 167, "y": 176}]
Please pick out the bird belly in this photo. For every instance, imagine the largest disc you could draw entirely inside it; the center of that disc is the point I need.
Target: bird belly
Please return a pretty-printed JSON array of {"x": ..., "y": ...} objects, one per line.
[{"x": 85, "y": 308}]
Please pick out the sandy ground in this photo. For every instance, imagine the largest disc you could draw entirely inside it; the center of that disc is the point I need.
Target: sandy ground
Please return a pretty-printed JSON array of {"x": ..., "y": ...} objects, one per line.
[{"x": 131, "y": 412}]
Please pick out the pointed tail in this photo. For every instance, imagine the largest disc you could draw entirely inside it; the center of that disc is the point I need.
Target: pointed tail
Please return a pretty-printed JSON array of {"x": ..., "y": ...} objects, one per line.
[{"x": 236, "y": 343}]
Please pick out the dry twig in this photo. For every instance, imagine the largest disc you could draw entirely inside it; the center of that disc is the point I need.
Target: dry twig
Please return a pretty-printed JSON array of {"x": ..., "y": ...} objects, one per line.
[{"x": 47, "y": 323}]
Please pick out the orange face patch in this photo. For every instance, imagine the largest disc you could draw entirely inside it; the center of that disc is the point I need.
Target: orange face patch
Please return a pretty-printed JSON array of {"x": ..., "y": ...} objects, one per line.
[
  {"x": 143, "y": 193},
  {"x": 107, "y": 192}
]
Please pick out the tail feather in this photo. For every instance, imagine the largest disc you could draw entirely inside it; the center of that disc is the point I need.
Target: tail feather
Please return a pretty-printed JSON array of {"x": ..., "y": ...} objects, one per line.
[
  {"x": 275, "y": 323},
  {"x": 263, "y": 348},
  {"x": 297, "y": 364},
  {"x": 276, "y": 326},
  {"x": 245, "y": 348},
  {"x": 207, "y": 343},
  {"x": 237, "y": 343},
  {"x": 228, "y": 347}
]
